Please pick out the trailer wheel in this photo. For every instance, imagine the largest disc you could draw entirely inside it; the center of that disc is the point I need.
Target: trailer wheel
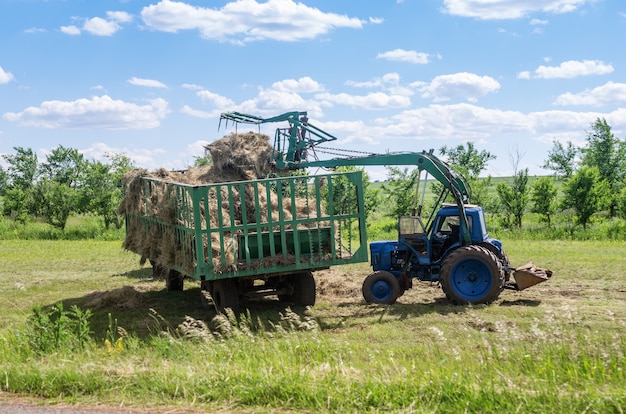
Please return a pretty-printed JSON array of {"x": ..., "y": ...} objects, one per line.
[
  {"x": 174, "y": 281},
  {"x": 472, "y": 274},
  {"x": 303, "y": 289},
  {"x": 225, "y": 294},
  {"x": 381, "y": 287}
]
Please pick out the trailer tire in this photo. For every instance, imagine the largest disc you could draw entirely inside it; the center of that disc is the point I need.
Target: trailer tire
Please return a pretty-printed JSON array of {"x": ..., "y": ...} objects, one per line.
[
  {"x": 303, "y": 289},
  {"x": 381, "y": 287},
  {"x": 472, "y": 275},
  {"x": 174, "y": 282},
  {"x": 225, "y": 295}
]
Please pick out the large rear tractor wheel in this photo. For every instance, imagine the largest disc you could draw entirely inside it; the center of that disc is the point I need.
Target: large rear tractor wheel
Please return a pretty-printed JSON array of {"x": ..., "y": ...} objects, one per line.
[
  {"x": 225, "y": 295},
  {"x": 381, "y": 287},
  {"x": 472, "y": 274}
]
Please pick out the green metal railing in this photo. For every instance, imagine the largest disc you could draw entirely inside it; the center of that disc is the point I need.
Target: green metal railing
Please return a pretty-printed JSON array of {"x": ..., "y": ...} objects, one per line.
[{"x": 247, "y": 228}]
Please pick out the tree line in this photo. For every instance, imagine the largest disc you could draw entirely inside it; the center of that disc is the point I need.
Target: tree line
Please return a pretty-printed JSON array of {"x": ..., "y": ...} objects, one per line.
[
  {"x": 587, "y": 180},
  {"x": 64, "y": 183}
]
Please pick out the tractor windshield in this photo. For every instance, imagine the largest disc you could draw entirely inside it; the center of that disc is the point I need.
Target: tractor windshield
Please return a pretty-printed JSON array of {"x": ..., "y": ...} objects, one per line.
[{"x": 410, "y": 226}]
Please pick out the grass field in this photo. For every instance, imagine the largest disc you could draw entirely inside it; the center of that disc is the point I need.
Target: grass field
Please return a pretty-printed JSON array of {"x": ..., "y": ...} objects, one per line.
[{"x": 557, "y": 347}]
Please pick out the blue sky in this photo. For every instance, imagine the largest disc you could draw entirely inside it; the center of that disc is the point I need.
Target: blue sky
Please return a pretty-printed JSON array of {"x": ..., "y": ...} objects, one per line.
[{"x": 150, "y": 78}]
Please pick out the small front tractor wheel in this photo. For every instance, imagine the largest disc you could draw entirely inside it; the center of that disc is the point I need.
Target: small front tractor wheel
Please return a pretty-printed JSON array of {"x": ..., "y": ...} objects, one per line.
[
  {"x": 225, "y": 295},
  {"x": 472, "y": 274},
  {"x": 381, "y": 287}
]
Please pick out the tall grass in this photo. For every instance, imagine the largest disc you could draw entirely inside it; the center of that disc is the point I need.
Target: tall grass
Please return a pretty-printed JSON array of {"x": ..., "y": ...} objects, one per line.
[
  {"x": 77, "y": 228},
  {"x": 466, "y": 364}
]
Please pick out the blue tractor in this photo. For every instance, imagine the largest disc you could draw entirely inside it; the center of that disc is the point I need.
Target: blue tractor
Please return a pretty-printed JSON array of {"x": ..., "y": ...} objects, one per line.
[
  {"x": 451, "y": 247},
  {"x": 474, "y": 272}
]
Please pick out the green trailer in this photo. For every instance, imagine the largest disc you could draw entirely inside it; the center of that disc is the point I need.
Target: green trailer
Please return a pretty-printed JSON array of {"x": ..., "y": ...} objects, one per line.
[{"x": 248, "y": 239}]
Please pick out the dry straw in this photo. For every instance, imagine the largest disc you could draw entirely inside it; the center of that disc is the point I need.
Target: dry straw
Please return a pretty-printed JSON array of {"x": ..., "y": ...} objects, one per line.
[{"x": 236, "y": 157}]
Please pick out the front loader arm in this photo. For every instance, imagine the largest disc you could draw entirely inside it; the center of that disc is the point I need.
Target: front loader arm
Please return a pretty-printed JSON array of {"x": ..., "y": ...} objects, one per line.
[{"x": 291, "y": 142}]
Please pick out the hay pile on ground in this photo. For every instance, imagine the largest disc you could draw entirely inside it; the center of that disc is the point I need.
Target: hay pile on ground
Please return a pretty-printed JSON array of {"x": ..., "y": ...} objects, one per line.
[{"x": 236, "y": 157}]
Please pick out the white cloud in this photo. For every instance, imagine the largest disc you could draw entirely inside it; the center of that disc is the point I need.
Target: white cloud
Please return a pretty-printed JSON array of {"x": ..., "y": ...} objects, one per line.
[
  {"x": 573, "y": 69},
  {"x": 120, "y": 16},
  {"x": 35, "y": 30},
  {"x": 376, "y": 100},
  {"x": 389, "y": 82},
  {"x": 302, "y": 85},
  {"x": 247, "y": 20},
  {"x": 401, "y": 55},
  {"x": 283, "y": 96},
  {"x": 509, "y": 9},
  {"x": 98, "y": 112},
  {"x": 5, "y": 77},
  {"x": 101, "y": 27},
  {"x": 535, "y": 22},
  {"x": 386, "y": 80},
  {"x": 524, "y": 75},
  {"x": 186, "y": 109},
  {"x": 141, "y": 157},
  {"x": 219, "y": 101},
  {"x": 609, "y": 93},
  {"x": 98, "y": 26},
  {"x": 192, "y": 86},
  {"x": 148, "y": 83},
  {"x": 70, "y": 30},
  {"x": 459, "y": 85}
]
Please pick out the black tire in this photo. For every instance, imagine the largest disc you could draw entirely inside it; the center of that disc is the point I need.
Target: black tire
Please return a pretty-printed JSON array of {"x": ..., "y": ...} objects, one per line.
[
  {"x": 174, "y": 282},
  {"x": 472, "y": 275},
  {"x": 381, "y": 287},
  {"x": 504, "y": 259},
  {"x": 225, "y": 295},
  {"x": 303, "y": 289}
]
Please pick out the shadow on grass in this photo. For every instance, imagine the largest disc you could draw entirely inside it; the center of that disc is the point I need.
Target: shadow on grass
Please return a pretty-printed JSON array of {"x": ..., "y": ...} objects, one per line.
[
  {"x": 142, "y": 274},
  {"x": 521, "y": 302},
  {"x": 146, "y": 308}
]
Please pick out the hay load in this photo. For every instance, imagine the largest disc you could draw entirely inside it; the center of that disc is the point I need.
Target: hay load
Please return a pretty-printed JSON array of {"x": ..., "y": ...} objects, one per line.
[{"x": 235, "y": 158}]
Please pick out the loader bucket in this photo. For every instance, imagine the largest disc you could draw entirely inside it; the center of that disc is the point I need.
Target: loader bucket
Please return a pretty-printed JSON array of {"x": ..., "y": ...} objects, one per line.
[{"x": 530, "y": 275}]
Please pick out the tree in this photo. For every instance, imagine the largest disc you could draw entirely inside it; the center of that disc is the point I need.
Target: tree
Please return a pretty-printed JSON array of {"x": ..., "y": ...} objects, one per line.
[
  {"x": 400, "y": 187},
  {"x": 64, "y": 166},
  {"x": 470, "y": 163},
  {"x": 56, "y": 201},
  {"x": 607, "y": 153},
  {"x": 342, "y": 198},
  {"x": 543, "y": 196},
  {"x": 21, "y": 174},
  {"x": 514, "y": 198},
  {"x": 621, "y": 203},
  {"x": 203, "y": 160},
  {"x": 586, "y": 193},
  {"x": 102, "y": 190},
  {"x": 4, "y": 181},
  {"x": 22, "y": 168},
  {"x": 561, "y": 160},
  {"x": 16, "y": 204}
]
